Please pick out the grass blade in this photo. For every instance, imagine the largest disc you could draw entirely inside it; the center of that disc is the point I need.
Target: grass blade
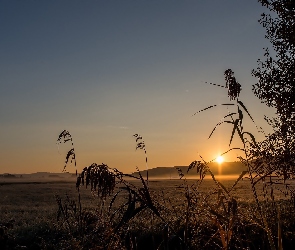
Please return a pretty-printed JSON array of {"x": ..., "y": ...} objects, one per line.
[
  {"x": 244, "y": 107},
  {"x": 234, "y": 130},
  {"x": 212, "y": 106},
  {"x": 113, "y": 199},
  {"x": 237, "y": 180},
  {"x": 252, "y": 138}
]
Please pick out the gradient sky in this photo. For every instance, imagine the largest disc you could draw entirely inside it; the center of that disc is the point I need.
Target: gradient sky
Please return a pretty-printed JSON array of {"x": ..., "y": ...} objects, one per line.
[{"x": 105, "y": 70}]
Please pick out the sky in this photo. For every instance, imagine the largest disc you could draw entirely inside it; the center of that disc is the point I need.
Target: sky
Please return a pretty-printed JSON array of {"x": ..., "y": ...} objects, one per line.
[{"x": 105, "y": 70}]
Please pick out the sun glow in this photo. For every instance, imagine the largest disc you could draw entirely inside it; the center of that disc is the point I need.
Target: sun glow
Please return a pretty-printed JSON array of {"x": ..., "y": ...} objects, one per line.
[{"x": 219, "y": 159}]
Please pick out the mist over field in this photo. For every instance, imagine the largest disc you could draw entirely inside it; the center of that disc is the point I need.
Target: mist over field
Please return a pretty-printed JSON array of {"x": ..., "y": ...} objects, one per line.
[{"x": 222, "y": 170}]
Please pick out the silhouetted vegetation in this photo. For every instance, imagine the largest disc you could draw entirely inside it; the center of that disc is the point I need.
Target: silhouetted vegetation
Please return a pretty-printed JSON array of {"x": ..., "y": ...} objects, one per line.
[
  {"x": 204, "y": 213},
  {"x": 276, "y": 88},
  {"x": 8, "y": 176}
]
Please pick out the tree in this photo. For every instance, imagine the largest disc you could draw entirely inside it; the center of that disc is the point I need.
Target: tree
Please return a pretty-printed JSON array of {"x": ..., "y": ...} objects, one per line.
[
  {"x": 276, "y": 76},
  {"x": 276, "y": 85}
]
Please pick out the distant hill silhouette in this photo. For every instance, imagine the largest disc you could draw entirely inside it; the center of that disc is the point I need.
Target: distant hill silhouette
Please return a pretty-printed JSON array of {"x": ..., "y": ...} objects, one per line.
[{"x": 226, "y": 168}]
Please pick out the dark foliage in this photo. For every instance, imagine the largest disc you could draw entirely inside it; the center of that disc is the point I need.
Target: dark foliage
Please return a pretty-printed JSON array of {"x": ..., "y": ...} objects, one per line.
[{"x": 276, "y": 88}]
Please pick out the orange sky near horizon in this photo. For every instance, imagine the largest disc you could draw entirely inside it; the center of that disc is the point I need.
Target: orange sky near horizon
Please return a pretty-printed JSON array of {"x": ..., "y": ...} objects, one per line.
[{"x": 105, "y": 70}]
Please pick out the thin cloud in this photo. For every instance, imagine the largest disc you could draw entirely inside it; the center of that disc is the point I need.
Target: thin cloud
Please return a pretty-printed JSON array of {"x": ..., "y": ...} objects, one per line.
[{"x": 117, "y": 127}]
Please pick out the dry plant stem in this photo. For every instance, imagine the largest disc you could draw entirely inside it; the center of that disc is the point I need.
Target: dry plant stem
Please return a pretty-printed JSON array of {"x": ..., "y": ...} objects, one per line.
[
  {"x": 187, "y": 217},
  {"x": 253, "y": 188},
  {"x": 259, "y": 207},
  {"x": 61, "y": 209},
  {"x": 213, "y": 178},
  {"x": 280, "y": 235},
  {"x": 250, "y": 170},
  {"x": 237, "y": 127},
  {"x": 141, "y": 145},
  {"x": 64, "y": 137},
  {"x": 212, "y": 237},
  {"x": 80, "y": 211}
]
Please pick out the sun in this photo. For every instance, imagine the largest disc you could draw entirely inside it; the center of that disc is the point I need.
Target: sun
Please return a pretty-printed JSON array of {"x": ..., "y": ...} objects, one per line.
[{"x": 219, "y": 159}]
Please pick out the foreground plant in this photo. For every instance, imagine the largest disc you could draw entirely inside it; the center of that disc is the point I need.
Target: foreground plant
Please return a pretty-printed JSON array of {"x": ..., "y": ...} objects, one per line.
[
  {"x": 215, "y": 219},
  {"x": 103, "y": 181},
  {"x": 217, "y": 208},
  {"x": 265, "y": 163}
]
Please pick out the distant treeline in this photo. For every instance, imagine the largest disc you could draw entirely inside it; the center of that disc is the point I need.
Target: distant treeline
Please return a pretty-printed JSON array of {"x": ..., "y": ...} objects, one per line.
[
  {"x": 8, "y": 176},
  {"x": 39, "y": 175}
]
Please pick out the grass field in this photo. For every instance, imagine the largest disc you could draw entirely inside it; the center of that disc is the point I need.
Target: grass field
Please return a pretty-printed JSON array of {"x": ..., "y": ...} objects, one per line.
[{"x": 29, "y": 211}]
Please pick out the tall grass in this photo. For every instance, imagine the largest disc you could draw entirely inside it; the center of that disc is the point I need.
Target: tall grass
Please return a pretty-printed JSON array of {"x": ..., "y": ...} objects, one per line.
[{"x": 209, "y": 220}]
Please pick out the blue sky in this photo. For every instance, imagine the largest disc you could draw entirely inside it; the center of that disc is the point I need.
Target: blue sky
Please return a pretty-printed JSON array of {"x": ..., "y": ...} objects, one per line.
[{"x": 105, "y": 70}]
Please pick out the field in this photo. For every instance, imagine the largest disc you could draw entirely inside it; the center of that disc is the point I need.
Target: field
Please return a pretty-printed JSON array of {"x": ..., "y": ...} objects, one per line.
[{"x": 29, "y": 216}]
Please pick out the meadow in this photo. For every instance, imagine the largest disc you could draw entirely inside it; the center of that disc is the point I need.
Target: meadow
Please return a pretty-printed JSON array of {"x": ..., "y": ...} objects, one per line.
[{"x": 30, "y": 216}]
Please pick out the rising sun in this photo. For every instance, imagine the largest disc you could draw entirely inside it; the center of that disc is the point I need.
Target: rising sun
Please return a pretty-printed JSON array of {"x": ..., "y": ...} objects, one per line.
[{"x": 219, "y": 159}]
